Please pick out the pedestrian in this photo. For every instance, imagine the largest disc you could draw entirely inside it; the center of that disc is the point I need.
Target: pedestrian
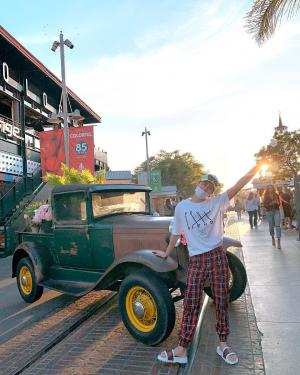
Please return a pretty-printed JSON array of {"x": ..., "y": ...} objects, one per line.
[
  {"x": 200, "y": 219},
  {"x": 282, "y": 217},
  {"x": 257, "y": 197},
  {"x": 251, "y": 207},
  {"x": 271, "y": 203},
  {"x": 238, "y": 208},
  {"x": 173, "y": 203},
  {"x": 168, "y": 208},
  {"x": 286, "y": 198}
]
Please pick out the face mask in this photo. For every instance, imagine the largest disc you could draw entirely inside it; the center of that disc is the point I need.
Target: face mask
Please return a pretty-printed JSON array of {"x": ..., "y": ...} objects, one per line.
[{"x": 200, "y": 193}]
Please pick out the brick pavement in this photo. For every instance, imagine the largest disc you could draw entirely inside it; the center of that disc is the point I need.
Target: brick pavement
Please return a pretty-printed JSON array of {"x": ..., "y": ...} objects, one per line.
[
  {"x": 17, "y": 350},
  {"x": 245, "y": 336},
  {"x": 103, "y": 346}
]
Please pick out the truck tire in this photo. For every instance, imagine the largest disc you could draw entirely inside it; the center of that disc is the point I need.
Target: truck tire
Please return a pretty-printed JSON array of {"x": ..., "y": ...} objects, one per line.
[
  {"x": 146, "y": 307},
  {"x": 28, "y": 288},
  {"x": 238, "y": 278}
]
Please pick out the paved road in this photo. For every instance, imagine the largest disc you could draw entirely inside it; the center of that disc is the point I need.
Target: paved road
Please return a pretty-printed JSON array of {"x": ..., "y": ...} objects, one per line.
[{"x": 15, "y": 314}]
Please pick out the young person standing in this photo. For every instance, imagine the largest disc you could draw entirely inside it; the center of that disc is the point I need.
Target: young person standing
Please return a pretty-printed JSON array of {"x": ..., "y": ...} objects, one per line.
[{"x": 200, "y": 218}]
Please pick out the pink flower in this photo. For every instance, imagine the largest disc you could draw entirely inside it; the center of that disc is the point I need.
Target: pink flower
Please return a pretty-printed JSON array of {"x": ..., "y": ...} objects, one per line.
[{"x": 42, "y": 213}]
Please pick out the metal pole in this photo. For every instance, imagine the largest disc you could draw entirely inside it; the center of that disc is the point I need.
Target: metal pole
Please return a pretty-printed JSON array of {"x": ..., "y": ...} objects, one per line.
[
  {"x": 147, "y": 158},
  {"x": 64, "y": 96}
]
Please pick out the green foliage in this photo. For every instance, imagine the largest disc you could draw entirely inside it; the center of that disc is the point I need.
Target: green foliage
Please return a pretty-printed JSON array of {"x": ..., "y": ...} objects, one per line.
[
  {"x": 282, "y": 154},
  {"x": 73, "y": 176},
  {"x": 180, "y": 169}
]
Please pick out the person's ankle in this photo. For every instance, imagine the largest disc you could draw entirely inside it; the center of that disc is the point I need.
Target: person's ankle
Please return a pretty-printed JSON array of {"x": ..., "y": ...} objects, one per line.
[
  {"x": 222, "y": 344},
  {"x": 180, "y": 351}
]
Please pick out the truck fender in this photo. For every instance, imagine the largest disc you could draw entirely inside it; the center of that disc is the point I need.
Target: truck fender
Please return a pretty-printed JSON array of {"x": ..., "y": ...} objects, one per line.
[
  {"x": 39, "y": 256},
  {"x": 150, "y": 260},
  {"x": 144, "y": 258},
  {"x": 228, "y": 241}
]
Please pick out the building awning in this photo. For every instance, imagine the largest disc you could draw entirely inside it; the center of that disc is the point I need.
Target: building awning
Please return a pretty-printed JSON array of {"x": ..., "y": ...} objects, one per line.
[{"x": 40, "y": 73}]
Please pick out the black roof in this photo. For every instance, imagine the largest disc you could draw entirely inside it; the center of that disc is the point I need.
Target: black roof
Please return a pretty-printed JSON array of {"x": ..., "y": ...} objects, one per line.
[{"x": 99, "y": 187}]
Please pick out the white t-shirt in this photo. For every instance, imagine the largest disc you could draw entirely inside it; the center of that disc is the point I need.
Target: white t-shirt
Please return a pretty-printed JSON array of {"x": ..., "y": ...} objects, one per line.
[
  {"x": 201, "y": 223},
  {"x": 251, "y": 204}
]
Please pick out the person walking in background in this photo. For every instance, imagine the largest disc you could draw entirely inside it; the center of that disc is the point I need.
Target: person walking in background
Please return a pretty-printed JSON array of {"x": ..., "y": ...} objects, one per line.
[
  {"x": 168, "y": 208},
  {"x": 173, "y": 203},
  {"x": 251, "y": 207},
  {"x": 271, "y": 203},
  {"x": 282, "y": 217},
  {"x": 257, "y": 197},
  {"x": 286, "y": 199},
  {"x": 238, "y": 208}
]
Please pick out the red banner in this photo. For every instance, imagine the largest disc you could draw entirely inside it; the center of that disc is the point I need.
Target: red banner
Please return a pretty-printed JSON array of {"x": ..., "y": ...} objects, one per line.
[
  {"x": 52, "y": 151},
  {"x": 81, "y": 148}
]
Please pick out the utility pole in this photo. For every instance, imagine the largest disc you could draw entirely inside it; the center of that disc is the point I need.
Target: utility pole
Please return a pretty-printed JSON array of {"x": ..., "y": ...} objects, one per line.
[
  {"x": 64, "y": 96},
  {"x": 146, "y": 133},
  {"x": 55, "y": 45}
]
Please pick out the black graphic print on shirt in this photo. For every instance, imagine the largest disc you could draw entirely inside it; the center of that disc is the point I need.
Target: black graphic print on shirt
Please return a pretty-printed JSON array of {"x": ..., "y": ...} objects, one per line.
[{"x": 198, "y": 219}]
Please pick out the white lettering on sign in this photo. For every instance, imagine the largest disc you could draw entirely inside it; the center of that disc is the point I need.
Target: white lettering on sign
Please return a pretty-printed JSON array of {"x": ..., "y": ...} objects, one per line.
[
  {"x": 45, "y": 100},
  {"x": 5, "y": 71},
  {"x": 10, "y": 130},
  {"x": 80, "y": 135}
]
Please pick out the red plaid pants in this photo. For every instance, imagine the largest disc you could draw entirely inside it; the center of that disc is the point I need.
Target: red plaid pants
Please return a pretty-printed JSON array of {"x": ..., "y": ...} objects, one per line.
[{"x": 214, "y": 266}]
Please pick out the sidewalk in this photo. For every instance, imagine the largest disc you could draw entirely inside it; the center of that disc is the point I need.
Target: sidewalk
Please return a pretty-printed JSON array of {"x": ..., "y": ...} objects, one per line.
[{"x": 274, "y": 279}]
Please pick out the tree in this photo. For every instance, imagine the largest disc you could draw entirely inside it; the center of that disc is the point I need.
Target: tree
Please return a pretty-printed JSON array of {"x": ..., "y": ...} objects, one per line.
[
  {"x": 180, "y": 169},
  {"x": 283, "y": 153},
  {"x": 265, "y": 15},
  {"x": 73, "y": 176}
]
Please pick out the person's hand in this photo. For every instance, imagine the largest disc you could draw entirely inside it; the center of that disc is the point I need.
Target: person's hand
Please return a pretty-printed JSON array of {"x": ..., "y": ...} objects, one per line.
[{"x": 160, "y": 254}]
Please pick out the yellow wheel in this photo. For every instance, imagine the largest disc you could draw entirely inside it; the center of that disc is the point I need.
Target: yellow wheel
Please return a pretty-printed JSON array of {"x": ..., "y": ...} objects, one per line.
[
  {"x": 25, "y": 280},
  {"x": 28, "y": 288},
  {"x": 146, "y": 307},
  {"x": 141, "y": 309}
]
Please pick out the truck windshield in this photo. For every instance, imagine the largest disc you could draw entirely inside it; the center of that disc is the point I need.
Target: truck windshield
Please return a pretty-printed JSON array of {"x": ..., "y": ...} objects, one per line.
[{"x": 117, "y": 202}]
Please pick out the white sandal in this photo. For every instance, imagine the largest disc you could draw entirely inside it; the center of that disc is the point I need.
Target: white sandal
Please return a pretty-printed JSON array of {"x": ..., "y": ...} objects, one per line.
[
  {"x": 168, "y": 356},
  {"x": 225, "y": 353}
]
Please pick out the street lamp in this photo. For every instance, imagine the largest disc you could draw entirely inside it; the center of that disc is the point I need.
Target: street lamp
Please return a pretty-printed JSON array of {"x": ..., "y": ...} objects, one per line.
[
  {"x": 146, "y": 133},
  {"x": 54, "y": 47}
]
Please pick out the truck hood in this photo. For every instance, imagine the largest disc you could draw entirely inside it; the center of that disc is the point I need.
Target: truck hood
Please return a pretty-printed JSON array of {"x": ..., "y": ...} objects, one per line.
[
  {"x": 137, "y": 232},
  {"x": 140, "y": 221}
]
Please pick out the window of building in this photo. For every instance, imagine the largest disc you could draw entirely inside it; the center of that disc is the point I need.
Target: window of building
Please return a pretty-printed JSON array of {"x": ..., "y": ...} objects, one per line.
[
  {"x": 29, "y": 140},
  {"x": 36, "y": 143}
]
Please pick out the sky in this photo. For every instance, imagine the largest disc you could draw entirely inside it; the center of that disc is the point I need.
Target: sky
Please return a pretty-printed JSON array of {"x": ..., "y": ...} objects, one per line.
[{"x": 186, "y": 70}]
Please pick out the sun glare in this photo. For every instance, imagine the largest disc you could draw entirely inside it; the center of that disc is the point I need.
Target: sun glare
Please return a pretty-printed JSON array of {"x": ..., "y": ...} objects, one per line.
[{"x": 264, "y": 169}]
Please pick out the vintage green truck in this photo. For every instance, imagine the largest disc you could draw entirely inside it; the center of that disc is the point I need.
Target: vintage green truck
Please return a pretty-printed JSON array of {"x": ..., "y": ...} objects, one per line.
[{"x": 103, "y": 237}]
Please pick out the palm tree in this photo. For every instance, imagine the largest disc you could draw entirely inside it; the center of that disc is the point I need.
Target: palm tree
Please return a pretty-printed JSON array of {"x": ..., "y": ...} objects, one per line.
[{"x": 264, "y": 16}]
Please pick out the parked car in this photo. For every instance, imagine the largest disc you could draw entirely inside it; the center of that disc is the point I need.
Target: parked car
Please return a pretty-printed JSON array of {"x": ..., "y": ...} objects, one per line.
[{"x": 103, "y": 237}]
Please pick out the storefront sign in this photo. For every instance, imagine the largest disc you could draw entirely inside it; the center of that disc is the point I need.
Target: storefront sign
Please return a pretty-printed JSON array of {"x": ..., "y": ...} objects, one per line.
[{"x": 10, "y": 130}]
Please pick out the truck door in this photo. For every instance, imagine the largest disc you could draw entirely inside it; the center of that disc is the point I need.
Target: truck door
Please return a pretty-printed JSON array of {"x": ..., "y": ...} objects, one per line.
[{"x": 71, "y": 236}]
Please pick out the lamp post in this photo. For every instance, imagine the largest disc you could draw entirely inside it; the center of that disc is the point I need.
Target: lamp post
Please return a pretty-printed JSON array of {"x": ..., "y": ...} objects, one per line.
[
  {"x": 146, "y": 133},
  {"x": 55, "y": 45}
]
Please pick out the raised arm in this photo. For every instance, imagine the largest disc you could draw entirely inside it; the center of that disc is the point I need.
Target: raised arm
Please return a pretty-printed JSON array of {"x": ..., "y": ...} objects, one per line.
[{"x": 242, "y": 182}]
